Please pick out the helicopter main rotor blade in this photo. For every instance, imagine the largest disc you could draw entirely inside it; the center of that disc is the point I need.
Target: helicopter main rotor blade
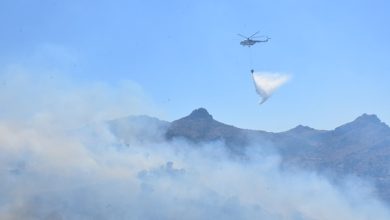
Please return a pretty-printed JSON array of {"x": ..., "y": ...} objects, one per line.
[
  {"x": 254, "y": 34},
  {"x": 242, "y": 36},
  {"x": 262, "y": 36}
]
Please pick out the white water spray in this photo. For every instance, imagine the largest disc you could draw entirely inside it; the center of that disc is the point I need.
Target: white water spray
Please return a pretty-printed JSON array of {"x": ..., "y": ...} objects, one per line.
[{"x": 266, "y": 83}]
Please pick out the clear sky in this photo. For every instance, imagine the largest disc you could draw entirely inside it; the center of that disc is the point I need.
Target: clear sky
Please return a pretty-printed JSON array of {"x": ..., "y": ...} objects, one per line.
[{"x": 186, "y": 54}]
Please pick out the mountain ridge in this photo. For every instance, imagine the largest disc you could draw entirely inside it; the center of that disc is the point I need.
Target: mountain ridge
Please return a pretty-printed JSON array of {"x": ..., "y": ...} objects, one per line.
[{"x": 360, "y": 147}]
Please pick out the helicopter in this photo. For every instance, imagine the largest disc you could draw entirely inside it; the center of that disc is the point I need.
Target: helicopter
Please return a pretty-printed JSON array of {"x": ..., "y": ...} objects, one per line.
[{"x": 249, "y": 41}]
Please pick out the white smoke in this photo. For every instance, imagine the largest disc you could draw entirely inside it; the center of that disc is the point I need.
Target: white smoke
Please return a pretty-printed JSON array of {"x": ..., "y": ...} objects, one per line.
[
  {"x": 266, "y": 83},
  {"x": 87, "y": 173},
  {"x": 51, "y": 97}
]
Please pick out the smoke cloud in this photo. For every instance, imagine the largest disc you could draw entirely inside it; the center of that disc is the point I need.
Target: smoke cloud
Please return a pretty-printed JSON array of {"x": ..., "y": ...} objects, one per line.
[
  {"x": 266, "y": 83},
  {"x": 59, "y": 160}
]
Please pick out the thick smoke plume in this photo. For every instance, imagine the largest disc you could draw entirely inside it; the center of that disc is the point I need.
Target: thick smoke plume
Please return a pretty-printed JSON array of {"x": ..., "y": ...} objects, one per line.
[
  {"x": 266, "y": 83},
  {"x": 62, "y": 163}
]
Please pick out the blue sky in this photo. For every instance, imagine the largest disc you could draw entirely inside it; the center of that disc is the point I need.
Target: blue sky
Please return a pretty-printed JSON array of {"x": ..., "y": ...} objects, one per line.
[{"x": 186, "y": 54}]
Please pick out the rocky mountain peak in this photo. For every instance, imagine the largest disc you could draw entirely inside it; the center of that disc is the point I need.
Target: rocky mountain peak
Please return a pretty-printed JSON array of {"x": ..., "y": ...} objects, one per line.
[
  {"x": 366, "y": 118},
  {"x": 302, "y": 128},
  {"x": 365, "y": 123},
  {"x": 200, "y": 113}
]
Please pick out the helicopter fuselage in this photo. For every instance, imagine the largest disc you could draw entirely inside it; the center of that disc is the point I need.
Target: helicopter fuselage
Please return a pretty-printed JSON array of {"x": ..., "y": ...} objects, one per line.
[{"x": 250, "y": 42}]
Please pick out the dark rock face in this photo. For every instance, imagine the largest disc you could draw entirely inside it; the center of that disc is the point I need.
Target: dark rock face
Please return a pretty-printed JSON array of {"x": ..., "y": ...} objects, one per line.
[
  {"x": 200, "y": 114},
  {"x": 200, "y": 126}
]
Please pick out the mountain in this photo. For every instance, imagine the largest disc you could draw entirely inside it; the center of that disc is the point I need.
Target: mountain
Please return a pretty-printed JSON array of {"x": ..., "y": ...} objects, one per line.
[
  {"x": 360, "y": 147},
  {"x": 200, "y": 127},
  {"x": 355, "y": 146}
]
